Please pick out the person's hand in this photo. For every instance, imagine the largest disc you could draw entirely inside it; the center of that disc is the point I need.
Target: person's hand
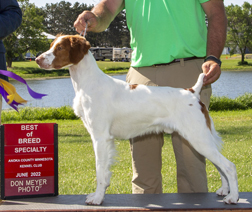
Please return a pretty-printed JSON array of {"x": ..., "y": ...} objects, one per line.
[
  {"x": 88, "y": 18},
  {"x": 212, "y": 72}
]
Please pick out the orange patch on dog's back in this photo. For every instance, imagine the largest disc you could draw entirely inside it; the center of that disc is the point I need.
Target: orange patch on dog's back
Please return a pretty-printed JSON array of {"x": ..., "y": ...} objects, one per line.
[
  {"x": 134, "y": 86},
  {"x": 190, "y": 89},
  {"x": 206, "y": 114}
]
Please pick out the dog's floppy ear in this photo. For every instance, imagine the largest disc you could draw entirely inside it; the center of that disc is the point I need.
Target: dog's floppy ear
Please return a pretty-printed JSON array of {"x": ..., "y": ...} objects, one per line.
[{"x": 79, "y": 47}]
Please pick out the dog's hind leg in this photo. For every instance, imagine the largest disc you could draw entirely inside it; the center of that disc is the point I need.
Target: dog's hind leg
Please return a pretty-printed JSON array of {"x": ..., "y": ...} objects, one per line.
[
  {"x": 204, "y": 143},
  {"x": 229, "y": 170},
  {"x": 104, "y": 152}
]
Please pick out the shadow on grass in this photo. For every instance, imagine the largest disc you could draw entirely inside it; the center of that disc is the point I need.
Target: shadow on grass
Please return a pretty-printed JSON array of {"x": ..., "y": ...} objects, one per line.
[
  {"x": 69, "y": 134},
  {"x": 60, "y": 72},
  {"x": 78, "y": 139},
  {"x": 244, "y": 64},
  {"x": 38, "y": 71},
  {"x": 235, "y": 130}
]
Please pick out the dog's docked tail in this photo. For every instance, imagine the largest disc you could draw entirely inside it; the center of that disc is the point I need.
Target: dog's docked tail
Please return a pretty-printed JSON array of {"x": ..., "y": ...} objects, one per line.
[{"x": 197, "y": 87}]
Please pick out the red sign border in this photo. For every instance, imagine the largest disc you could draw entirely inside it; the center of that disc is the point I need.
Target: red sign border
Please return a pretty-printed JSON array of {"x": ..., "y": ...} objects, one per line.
[{"x": 56, "y": 188}]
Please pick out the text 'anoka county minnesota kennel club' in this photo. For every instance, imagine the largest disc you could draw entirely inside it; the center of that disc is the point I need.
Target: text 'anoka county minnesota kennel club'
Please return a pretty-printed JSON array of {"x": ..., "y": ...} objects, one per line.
[{"x": 30, "y": 155}]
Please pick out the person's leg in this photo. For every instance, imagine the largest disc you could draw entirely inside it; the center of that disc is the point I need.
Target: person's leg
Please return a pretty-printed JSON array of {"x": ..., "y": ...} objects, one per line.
[
  {"x": 191, "y": 173},
  {"x": 147, "y": 164},
  {"x": 191, "y": 166},
  {"x": 146, "y": 150}
]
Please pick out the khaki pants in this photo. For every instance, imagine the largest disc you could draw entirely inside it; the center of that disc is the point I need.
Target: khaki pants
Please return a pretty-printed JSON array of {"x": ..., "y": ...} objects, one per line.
[{"x": 146, "y": 150}]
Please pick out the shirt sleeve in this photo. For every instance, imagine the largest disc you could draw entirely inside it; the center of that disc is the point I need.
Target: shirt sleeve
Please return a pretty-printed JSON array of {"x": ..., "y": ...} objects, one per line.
[
  {"x": 10, "y": 17},
  {"x": 203, "y": 1}
]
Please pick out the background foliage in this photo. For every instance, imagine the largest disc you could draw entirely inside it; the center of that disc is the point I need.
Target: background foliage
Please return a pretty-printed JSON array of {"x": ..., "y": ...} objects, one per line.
[
  {"x": 28, "y": 37},
  {"x": 59, "y": 18},
  {"x": 239, "y": 36}
]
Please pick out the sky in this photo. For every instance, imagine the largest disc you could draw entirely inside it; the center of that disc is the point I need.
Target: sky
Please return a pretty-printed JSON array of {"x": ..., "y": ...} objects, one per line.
[{"x": 41, "y": 3}]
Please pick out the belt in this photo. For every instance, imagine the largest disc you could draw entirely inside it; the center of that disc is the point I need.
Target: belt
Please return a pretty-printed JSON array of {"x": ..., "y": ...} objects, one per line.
[{"x": 178, "y": 60}]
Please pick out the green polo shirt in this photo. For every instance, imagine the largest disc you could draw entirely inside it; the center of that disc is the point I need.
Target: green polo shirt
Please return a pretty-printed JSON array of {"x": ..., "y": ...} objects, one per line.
[{"x": 164, "y": 30}]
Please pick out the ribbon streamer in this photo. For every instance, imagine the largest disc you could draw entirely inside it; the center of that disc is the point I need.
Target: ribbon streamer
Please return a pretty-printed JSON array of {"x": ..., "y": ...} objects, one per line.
[{"x": 9, "y": 92}]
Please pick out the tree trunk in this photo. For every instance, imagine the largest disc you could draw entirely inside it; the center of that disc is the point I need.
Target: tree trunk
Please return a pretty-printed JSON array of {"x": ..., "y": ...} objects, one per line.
[
  {"x": 242, "y": 57},
  {"x": 9, "y": 62}
]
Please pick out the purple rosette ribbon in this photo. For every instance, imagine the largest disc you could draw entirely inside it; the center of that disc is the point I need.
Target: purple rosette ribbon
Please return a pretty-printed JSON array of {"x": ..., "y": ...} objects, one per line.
[
  {"x": 13, "y": 104},
  {"x": 5, "y": 94}
]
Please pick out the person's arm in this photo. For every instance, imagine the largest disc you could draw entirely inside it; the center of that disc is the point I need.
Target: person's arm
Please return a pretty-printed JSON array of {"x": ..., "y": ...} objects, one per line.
[
  {"x": 216, "y": 37},
  {"x": 10, "y": 17},
  {"x": 99, "y": 18}
]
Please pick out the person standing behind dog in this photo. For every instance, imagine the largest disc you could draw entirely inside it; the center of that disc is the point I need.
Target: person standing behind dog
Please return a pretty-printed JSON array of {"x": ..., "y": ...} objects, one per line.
[
  {"x": 171, "y": 47},
  {"x": 10, "y": 20}
]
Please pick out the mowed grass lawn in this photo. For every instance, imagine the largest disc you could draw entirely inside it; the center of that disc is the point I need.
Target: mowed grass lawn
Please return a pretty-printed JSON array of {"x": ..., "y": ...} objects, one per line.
[
  {"x": 77, "y": 162},
  {"x": 231, "y": 63}
]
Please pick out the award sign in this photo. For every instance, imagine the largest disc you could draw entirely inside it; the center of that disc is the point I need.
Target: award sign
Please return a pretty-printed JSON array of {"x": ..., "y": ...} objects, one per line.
[{"x": 29, "y": 160}]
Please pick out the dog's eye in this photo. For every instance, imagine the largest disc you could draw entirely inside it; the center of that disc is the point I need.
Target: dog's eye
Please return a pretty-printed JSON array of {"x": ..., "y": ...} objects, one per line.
[{"x": 59, "y": 48}]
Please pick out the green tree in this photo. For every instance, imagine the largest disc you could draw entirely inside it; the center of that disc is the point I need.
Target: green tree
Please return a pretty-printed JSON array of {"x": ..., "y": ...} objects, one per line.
[
  {"x": 118, "y": 31},
  {"x": 29, "y": 36},
  {"x": 60, "y": 17},
  {"x": 116, "y": 35},
  {"x": 239, "y": 35}
]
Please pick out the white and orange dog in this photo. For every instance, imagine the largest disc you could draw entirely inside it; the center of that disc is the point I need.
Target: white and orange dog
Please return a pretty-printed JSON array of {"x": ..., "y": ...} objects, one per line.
[{"x": 111, "y": 108}]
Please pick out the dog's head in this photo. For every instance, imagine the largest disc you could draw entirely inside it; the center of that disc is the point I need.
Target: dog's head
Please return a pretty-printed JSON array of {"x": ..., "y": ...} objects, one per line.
[{"x": 64, "y": 51}]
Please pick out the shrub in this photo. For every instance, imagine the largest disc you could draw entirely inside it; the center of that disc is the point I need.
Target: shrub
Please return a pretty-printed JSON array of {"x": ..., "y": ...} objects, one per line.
[
  {"x": 224, "y": 103},
  {"x": 240, "y": 63},
  {"x": 35, "y": 113},
  {"x": 66, "y": 112}
]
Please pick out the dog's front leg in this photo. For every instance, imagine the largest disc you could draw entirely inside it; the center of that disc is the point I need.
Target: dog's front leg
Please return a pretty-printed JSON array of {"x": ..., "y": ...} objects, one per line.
[
  {"x": 104, "y": 154},
  {"x": 224, "y": 190}
]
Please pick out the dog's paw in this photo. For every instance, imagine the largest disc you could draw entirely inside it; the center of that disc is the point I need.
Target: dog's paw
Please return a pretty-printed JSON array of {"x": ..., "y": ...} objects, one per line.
[
  {"x": 223, "y": 191},
  {"x": 231, "y": 199},
  {"x": 94, "y": 199}
]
